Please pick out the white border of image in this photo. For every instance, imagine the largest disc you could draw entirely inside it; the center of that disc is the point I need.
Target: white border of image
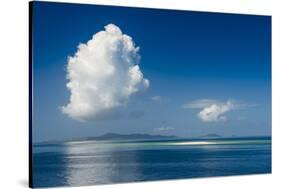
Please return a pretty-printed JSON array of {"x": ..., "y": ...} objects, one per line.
[{"x": 14, "y": 92}]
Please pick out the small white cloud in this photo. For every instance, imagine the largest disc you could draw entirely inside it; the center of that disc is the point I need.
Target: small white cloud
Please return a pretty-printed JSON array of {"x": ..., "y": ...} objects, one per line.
[
  {"x": 164, "y": 129},
  {"x": 103, "y": 75},
  {"x": 214, "y": 110}
]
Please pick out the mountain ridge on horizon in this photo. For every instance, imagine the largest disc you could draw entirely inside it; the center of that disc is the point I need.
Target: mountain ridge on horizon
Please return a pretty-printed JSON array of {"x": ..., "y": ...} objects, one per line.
[{"x": 111, "y": 136}]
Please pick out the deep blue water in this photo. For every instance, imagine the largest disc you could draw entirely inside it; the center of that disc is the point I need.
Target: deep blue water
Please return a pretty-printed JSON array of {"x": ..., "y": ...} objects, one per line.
[{"x": 90, "y": 162}]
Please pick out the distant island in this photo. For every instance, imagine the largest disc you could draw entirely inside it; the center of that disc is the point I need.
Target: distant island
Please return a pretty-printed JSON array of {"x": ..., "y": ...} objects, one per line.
[
  {"x": 140, "y": 137},
  {"x": 212, "y": 135},
  {"x": 135, "y": 136},
  {"x": 116, "y": 137}
]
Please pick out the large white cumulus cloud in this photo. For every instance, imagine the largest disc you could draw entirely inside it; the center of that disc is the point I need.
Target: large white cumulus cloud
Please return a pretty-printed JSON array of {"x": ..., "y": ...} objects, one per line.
[{"x": 103, "y": 75}]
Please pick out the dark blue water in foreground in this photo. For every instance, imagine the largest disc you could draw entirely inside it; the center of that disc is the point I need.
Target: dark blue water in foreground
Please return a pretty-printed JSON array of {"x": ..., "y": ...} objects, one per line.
[{"x": 91, "y": 162}]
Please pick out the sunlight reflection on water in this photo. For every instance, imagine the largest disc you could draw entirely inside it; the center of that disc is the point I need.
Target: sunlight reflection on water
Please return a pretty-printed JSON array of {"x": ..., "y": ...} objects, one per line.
[{"x": 91, "y": 162}]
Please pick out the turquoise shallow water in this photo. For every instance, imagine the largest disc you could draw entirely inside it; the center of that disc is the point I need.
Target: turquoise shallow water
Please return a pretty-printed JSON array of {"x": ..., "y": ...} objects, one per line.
[{"x": 81, "y": 163}]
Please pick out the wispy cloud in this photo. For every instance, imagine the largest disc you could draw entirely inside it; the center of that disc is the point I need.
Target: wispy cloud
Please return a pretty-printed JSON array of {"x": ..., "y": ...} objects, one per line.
[
  {"x": 201, "y": 103},
  {"x": 103, "y": 75},
  {"x": 164, "y": 129},
  {"x": 157, "y": 98},
  {"x": 214, "y": 110}
]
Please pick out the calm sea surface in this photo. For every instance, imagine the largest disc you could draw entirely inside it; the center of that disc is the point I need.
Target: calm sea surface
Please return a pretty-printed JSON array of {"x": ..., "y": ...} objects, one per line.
[{"x": 93, "y": 162}]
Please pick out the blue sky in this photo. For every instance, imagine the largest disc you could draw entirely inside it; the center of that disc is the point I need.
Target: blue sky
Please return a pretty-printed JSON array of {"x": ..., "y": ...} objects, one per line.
[{"x": 188, "y": 58}]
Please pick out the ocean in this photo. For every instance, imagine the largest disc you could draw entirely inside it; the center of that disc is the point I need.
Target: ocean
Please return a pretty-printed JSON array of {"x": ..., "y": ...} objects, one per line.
[{"x": 81, "y": 163}]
